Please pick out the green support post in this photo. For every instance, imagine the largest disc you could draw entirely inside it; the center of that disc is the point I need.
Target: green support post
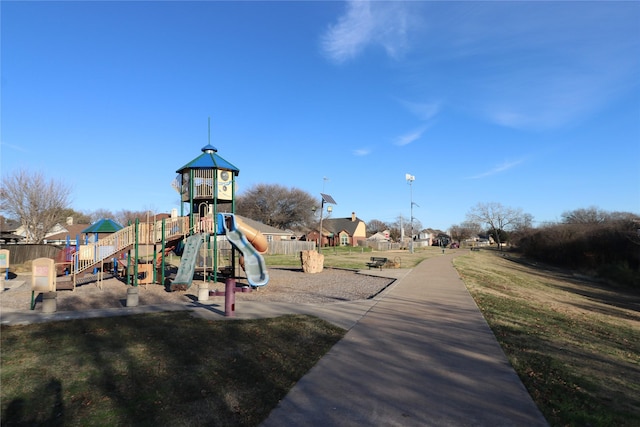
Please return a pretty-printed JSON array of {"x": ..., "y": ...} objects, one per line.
[
  {"x": 135, "y": 246},
  {"x": 164, "y": 252}
]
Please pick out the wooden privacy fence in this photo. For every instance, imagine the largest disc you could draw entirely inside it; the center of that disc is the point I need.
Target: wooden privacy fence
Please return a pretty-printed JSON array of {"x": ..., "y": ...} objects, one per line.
[
  {"x": 26, "y": 252},
  {"x": 289, "y": 247}
]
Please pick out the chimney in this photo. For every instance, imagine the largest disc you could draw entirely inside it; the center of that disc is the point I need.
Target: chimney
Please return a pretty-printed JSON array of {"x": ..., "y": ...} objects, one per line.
[
  {"x": 69, "y": 220},
  {"x": 353, "y": 216}
]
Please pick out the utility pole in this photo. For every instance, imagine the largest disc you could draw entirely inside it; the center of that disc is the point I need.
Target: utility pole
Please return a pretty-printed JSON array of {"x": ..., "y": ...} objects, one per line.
[{"x": 410, "y": 179}]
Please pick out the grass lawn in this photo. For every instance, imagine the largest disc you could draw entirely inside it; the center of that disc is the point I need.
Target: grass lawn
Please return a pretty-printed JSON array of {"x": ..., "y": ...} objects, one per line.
[
  {"x": 356, "y": 258},
  {"x": 158, "y": 369},
  {"x": 575, "y": 343}
]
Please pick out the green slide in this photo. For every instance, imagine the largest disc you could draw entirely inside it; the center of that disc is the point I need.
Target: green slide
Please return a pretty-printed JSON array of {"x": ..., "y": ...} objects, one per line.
[{"x": 187, "y": 267}]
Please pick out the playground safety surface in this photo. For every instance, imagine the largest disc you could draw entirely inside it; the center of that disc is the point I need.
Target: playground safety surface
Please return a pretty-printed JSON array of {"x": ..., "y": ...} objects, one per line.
[{"x": 287, "y": 286}]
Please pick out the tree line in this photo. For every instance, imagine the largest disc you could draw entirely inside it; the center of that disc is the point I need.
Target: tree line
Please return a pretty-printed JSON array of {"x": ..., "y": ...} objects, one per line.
[
  {"x": 606, "y": 243},
  {"x": 589, "y": 240}
]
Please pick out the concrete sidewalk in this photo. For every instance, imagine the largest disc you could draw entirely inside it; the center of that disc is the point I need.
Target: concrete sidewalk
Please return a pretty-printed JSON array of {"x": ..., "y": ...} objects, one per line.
[{"x": 421, "y": 355}]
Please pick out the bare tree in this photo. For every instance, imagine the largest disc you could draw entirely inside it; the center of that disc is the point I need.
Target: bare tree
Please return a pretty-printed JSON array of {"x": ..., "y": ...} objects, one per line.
[
  {"x": 591, "y": 215},
  {"x": 101, "y": 213},
  {"x": 376, "y": 226},
  {"x": 278, "y": 206},
  {"x": 498, "y": 218},
  {"x": 36, "y": 202},
  {"x": 125, "y": 216},
  {"x": 404, "y": 223},
  {"x": 78, "y": 217},
  {"x": 465, "y": 230}
]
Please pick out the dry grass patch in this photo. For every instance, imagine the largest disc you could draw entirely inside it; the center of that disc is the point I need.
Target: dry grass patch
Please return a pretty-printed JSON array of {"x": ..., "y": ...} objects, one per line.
[
  {"x": 157, "y": 369},
  {"x": 574, "y": 342}
]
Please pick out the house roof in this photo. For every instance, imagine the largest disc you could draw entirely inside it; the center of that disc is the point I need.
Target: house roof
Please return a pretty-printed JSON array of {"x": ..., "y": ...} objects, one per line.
[
  {"x": 7, "y": 235},
  {"x": 336, "y": 225},
  {"x": 72, "y": 231},
  {"x": 209, "y": 160},
  {"x": 103, "y": 226}
]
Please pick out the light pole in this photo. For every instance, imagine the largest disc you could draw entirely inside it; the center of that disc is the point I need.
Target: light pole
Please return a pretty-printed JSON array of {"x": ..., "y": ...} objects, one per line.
[
  {"x": 410, "y": 179},
  {"x": 325, "y": 199}
]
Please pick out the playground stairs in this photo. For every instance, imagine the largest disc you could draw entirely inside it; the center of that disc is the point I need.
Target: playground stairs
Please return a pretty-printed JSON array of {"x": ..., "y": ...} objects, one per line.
[{"x": 95, "y": 253}]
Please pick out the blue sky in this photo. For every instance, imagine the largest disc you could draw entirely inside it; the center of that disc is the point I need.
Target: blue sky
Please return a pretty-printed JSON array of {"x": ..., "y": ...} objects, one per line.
[{"x": 532, "y": 105}]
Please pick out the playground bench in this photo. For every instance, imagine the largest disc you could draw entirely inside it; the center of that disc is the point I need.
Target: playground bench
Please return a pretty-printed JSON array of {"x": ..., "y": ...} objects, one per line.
[{"x": 377, "y": 262}]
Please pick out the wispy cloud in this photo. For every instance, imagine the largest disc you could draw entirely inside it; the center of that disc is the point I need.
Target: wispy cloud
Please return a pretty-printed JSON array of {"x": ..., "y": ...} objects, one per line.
[
  {"x": 410, "y": 137},
  {"x": 361, "y": 152},
  {"x": 366, "y": 24},
  {"x": 423, "y": 110},
  {"x": 526, "y": 65},
  {"x": 498, "y": 169},
  {"x": 13, "y": 147}
]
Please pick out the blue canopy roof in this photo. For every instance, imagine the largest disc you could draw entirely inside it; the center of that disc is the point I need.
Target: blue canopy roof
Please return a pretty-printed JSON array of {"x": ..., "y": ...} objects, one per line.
[
  {"x": 209, "y": 160},
  {"x": 103, "y": 226}
]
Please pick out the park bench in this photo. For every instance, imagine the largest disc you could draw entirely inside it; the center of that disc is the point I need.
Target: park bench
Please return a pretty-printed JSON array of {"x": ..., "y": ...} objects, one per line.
[
  {"x": 376, "y": 262},
  {"x": 475, "y": 248}
]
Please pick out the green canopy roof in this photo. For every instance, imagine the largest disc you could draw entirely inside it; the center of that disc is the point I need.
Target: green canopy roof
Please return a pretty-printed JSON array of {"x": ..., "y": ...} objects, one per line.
[
  {"x": 209, "y": 160},
  {"x": 103, "y": 226}
]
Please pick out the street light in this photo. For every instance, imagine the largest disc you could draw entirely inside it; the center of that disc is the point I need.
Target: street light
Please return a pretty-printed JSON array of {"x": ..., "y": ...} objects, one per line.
[
  {"x": 410, "y": 179},
  {"x": 325, "y": 199}
]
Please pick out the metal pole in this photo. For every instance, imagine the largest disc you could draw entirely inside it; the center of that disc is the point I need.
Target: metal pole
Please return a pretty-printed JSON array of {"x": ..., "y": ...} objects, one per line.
[
  {"x": 320, "y": 237},
  {"x": 411, "y": 236}
]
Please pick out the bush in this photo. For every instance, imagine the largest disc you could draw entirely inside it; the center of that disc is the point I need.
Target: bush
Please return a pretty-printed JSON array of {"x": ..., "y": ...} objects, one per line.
[{"x": 610, "y": 249}]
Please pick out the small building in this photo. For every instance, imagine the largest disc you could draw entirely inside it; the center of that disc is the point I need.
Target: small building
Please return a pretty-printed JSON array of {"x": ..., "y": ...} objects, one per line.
[
  {"x": 348, "y": 231},
  {"x": 380, "y": 236}
]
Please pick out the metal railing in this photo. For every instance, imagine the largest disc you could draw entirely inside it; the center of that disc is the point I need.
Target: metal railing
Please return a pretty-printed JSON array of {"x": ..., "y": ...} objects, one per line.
[{"x": 94, "y": 253}]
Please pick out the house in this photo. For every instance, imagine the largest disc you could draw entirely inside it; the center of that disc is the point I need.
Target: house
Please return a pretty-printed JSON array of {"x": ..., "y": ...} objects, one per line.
[
  {"x": 7, "y": 231},
  {"x": 380, "y": 236},
  {"x": 57, "y": 235},
  {"x": 423, "y": 238},
  {"x": 341, "y": 231}
]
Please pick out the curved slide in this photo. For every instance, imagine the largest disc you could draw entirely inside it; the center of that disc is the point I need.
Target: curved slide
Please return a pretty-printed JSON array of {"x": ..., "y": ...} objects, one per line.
[{"x": 251, "y": 244}]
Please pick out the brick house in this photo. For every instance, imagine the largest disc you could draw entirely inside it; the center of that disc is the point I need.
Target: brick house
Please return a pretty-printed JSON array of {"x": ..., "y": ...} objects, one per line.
[{"x": 341, "y": 231}]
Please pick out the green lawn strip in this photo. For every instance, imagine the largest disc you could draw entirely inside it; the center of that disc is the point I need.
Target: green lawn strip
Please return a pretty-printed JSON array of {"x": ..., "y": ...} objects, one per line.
[
  {"x": 356, "y": 258},
  {"x": 580, "y": 366},
  {"x": 156, "y": 369}
]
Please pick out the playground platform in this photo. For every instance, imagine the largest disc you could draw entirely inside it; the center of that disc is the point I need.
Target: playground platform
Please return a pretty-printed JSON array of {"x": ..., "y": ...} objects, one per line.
[{"x": 418, "y": 354}]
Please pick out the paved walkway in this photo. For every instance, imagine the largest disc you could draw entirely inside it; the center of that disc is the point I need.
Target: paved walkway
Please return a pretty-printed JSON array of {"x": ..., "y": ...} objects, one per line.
[
  {"x": 419, "y": 354},
  {"x": 422, "y": 355}
]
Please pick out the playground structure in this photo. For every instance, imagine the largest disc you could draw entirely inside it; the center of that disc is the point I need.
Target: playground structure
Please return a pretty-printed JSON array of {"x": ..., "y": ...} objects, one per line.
[{"x": 216, "y": 243}]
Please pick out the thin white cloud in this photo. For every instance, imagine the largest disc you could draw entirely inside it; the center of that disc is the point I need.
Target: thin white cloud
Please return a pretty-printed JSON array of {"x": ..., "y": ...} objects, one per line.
[
  {"x": 498, "y": 169},
  {"x": 361, "y": 152},
  {"x": 410, "y": 137},
  {"x": 527, "y": 65},
  {"x": 13, "y": 147},
  {"x": 423, "y": 110},
  {"x": 366, "y": 24}
]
